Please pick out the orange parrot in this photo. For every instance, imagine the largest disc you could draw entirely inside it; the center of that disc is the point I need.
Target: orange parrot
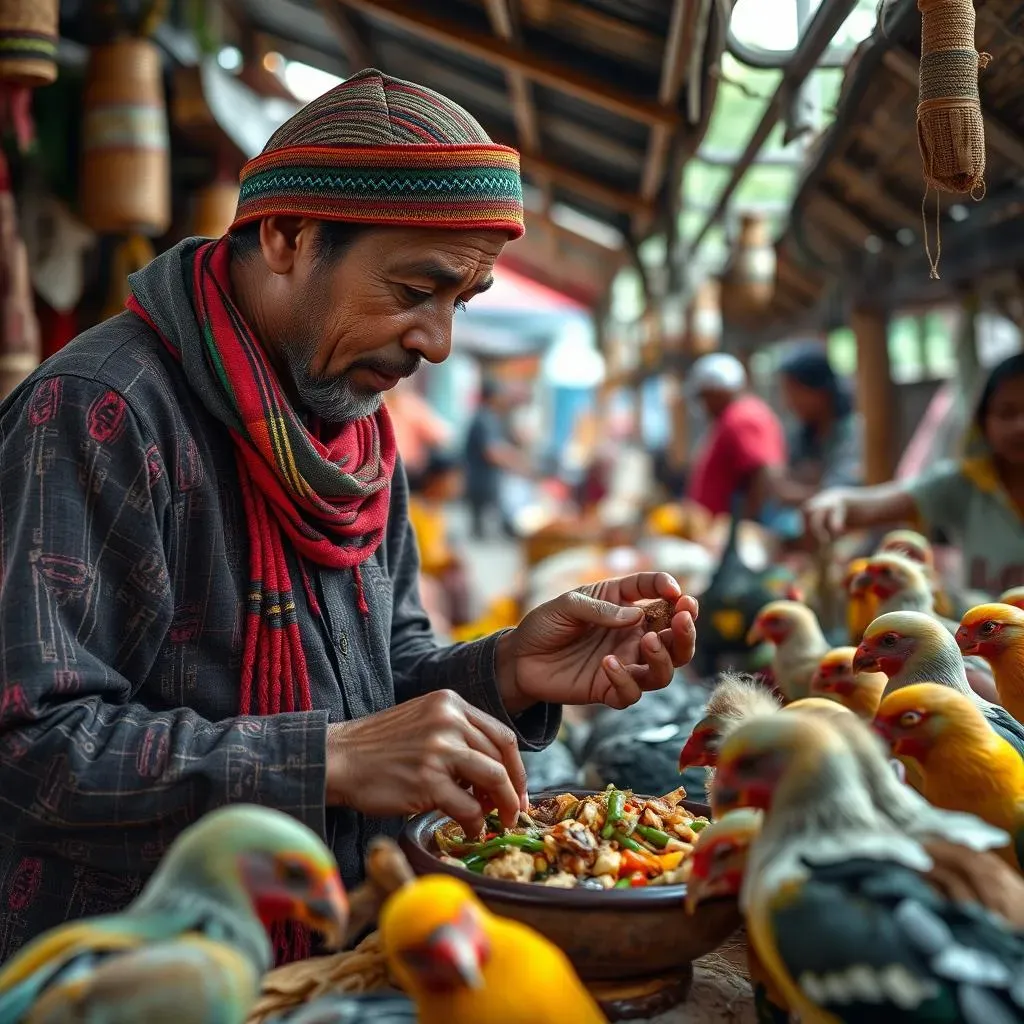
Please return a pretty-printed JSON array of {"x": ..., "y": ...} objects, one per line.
[
  {"x": 861, "y": 603},
  {"x": 995, "y": 632},
  {"x": 1014, "y": 596},
  {"x": 963, "y": 764},
  {"x": 836, "y": 680}
]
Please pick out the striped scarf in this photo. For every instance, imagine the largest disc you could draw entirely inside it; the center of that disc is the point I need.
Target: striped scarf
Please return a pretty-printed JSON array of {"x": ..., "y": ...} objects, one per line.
[{"x": 326, "y": 489}]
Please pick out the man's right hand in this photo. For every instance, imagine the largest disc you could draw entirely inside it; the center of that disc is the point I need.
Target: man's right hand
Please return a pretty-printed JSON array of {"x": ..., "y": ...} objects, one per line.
[
  {"x": 421, "y": 756},
  {"x": 826, "y": 513}
]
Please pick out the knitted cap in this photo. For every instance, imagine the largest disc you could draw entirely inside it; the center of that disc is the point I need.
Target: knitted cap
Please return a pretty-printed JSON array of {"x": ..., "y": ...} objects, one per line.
[{"x": 377, "y": 150}]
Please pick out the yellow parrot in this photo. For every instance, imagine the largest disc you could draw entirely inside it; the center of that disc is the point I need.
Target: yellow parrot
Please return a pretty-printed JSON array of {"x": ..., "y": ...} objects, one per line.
[{"x": 460, "y": 964}]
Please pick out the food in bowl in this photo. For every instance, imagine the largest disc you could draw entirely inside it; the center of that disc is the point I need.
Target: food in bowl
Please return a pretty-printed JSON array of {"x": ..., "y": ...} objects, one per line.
[{"x": 609, "y": 840}]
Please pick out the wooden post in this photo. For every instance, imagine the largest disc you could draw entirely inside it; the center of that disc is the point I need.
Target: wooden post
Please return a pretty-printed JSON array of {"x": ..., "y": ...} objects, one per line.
[{"x": 875, "y": 393}]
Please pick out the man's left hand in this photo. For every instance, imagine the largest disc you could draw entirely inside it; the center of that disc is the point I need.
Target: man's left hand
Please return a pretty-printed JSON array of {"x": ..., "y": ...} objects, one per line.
[{"x": 591, "y": 646}]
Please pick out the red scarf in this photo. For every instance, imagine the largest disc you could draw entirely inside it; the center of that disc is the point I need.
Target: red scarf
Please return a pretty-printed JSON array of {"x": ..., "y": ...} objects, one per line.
[{"x": 326, "y": 490}]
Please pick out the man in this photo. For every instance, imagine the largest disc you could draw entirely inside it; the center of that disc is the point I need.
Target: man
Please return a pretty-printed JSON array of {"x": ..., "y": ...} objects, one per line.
[
  {"x": 743, "y": 445},
  {"x": 209, "y": 578},
  {"x": 489, "y": 456}
]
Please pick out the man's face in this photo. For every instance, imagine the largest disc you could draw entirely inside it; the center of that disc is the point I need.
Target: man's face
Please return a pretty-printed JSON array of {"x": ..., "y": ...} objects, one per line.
[{"x": 349, "y": 329}]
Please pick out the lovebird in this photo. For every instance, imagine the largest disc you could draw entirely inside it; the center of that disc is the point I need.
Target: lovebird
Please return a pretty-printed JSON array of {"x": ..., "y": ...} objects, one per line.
[
  {"x": 461, "y": 964},
  {"x": 964, "y": 764},
  {"x": 838, "y": 901},
  {"x": 995, "y": 632},
  {"x": 799, "y": 644},
  {"x": 192, "y": 948},
  {"x": 836, "y": 680}
]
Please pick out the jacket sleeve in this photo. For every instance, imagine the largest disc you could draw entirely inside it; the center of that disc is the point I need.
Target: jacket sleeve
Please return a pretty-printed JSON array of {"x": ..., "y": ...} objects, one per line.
[
  {"x": 420, "y": 666},
  {"x": 87, "y": 772}
]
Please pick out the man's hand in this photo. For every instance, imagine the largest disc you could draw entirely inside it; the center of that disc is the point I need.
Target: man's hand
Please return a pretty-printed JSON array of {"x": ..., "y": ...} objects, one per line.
[
  {"x": 421, "y": 756},
  {"x": 826, "y": 513},
  {"x": 591, "y": 646}
]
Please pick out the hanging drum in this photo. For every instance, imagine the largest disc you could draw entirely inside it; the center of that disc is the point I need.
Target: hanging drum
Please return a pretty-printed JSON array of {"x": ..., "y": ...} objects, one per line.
[
  {"x": 749, "y": 281},
  {"x": 126, "y": 176},
  {"x": 28, "y": 42},
  {"x": 215, "y": 209},
  {"x": 704, "y": 327}
]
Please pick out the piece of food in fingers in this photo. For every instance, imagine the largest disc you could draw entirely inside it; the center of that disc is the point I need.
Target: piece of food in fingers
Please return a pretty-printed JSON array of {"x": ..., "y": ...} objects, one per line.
[
  {"x": 610, "y": 840},
  {"x": 658, "y": 614}
]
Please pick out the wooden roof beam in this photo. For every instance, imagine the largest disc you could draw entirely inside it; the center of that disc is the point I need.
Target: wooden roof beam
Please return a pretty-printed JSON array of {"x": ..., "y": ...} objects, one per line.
[
  {"x": 673, "y": 67},
  {"x": 524, "y": 112},
  {"x": 416, "y": 19},
  {"x": 868, "y": 188},
  {"x": 1004, "y": 141},
  {"x": 604, "y": 195},
  {"x": 353, "y": 42}
]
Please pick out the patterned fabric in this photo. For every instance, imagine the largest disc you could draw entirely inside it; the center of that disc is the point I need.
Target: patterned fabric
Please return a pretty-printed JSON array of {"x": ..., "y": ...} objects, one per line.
[
  {"x": 124, "y": 551},
  {"x": 376, "y": 149},
  {"x": 327, "y": 491}
]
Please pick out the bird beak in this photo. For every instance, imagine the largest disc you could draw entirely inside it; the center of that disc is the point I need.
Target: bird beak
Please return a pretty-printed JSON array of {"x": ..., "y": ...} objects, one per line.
[
  {"x": 327, "y": 911},
  {"x": 966, "y": 643},
  {"x": 755, "y": 635},
  {"x": 696, "y": 893},
  {"x": 695, "y": 753},
  {"x": 860, "y": 584},
  {"x": 881, "y": 729},
  {"x": 864, "y": 660},
  {"x": 460, "y": 949}
]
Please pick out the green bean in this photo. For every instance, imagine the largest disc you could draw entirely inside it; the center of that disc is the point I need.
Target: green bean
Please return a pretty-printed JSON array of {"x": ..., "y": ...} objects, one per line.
[
  {"x": 653, "y": 835},
  {"x": 623, "y": 883},
  {"x": 616, "y": 801},
  {"x": 475, "y": 863},
  {"x": 628, "y": 843},
  {"x": 699, "y": 824},
  {"x": 531, "y": 844}
]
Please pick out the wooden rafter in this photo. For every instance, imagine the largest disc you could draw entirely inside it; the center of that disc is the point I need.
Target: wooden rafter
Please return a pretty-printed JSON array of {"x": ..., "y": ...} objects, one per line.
[
  {"x": 524, "y": 112},
  {"x": 353, "y": 43},
  {"x": 590, "y": 27},
  {"x": 673, "y": 67},
  {"x": 603, "y": 195},
  {"x": 416, "y": 19},
  {"x": 869, "y": 189}
]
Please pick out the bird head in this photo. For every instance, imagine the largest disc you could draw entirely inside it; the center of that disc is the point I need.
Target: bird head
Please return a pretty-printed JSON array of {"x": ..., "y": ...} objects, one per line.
[
  {"x": 818, "y": 706},
  {"x": 912, "y": 719},
  {"x": 910, "y": 544},
  {"x": 989, "y": 629},
  {"x": 281, "y": 867},
  {"x": 776, "y": 622},
  {"x": 891, "y": 640},
  {"x": 834, "y": 675},
  {"x": 890, "y": 574},
  {"x": 701, "y": 747},
  {"x": 434, "y": 932},
  {"x": 856, "y": 581},
  {"x": 756, "y": 757},
  {"x": 1014, "y": 596},
  {"x": 719, "y": 859}
]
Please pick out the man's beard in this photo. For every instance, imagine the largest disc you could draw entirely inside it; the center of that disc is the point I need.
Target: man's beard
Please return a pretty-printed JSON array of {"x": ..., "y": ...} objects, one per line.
[{"x": 338, "y": 399}]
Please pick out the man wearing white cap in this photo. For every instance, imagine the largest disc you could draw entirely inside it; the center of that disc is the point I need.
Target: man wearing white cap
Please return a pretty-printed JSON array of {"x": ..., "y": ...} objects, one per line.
[{"x": 745, "y": 439}]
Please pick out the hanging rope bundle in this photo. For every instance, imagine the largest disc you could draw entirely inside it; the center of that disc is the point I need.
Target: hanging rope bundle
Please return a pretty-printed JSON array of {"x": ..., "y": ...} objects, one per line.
[{"x": 950, "y": 128}]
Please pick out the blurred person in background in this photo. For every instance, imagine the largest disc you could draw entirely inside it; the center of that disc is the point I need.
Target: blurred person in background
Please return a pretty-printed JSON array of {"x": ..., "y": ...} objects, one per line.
[
  {"x": 490, "y": 457},
  {"x": 437, "y": 485},
  {"x": 744, "y": 443},
  {"x": 978, "y": 499},
  {"x": 825, "y": 446}
]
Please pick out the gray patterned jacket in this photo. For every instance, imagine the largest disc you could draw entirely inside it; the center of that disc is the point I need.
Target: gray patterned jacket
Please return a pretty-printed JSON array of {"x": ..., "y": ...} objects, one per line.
[{"x": 123, "y": 567}]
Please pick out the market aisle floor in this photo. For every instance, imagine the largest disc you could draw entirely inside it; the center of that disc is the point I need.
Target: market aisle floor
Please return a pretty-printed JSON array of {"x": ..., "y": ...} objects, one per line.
[{"x": 494, "y": 563}]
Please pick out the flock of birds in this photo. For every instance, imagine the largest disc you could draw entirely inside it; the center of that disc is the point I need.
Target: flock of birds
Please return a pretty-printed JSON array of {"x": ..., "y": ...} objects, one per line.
[
  {"x": 868, "y": 817},
  {"x": 869, "y": 805}
]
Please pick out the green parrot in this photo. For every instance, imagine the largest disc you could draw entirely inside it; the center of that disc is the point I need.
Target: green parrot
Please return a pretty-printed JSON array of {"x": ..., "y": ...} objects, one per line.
[{"x": 193, "y": 947}]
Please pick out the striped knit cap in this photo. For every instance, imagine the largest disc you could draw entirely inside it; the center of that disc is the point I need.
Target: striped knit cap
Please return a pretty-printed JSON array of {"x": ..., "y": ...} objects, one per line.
[{"x": 377, "y": 150}]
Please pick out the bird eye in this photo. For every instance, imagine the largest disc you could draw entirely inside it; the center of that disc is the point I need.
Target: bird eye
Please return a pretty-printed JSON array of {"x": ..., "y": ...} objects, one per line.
[
  {"x": 293, "y": 874},
  {"x": 889, "y": 640},
  {"x": 988, "y": 628},
  {"x": 909, "y": 719}
]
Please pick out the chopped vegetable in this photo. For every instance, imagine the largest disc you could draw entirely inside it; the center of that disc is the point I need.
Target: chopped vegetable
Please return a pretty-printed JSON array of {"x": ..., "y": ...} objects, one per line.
[
  {"x": 653, "y": 835},
  {"x": 627, "y": 842},
  {"x": 670, "y": 861},
  {"x": 638, "y": 880},
  {"x": 699, "y": 824},
  {"x": 645, "y": 863},
  {"x": 616, "y": 802}
]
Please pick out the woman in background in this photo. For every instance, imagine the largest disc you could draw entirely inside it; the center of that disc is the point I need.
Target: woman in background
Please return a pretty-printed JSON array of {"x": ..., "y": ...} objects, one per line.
[{"x": 978, "y": 499}]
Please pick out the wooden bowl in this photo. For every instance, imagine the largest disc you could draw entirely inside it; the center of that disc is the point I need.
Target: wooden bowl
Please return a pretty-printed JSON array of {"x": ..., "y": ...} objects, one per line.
[{"x": 609, "y": 935}]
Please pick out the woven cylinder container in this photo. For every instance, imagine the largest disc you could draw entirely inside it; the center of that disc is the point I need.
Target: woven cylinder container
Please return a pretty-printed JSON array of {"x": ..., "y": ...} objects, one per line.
[
  {"x": 214, "y": 211},
  {"x": 126, "y": 170},
  {"x": 28, "y": 42},
  {"x": 950, "y": 126},
  {"x": 749, "y": 282},
  {"x": 704, "y": 323}
]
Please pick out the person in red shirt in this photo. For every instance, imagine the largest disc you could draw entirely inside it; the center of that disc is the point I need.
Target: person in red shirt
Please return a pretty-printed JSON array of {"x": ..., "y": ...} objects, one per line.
[{"x": 744, "y": 442}]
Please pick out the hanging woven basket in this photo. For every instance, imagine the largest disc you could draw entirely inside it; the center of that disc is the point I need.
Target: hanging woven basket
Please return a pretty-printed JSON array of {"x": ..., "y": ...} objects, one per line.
[
  {"x": 126, "y": 174},
  {"x": 704, "y": 322},
  {"x": 749, "y": 282},
  {"x": 28, "y": 42}
]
